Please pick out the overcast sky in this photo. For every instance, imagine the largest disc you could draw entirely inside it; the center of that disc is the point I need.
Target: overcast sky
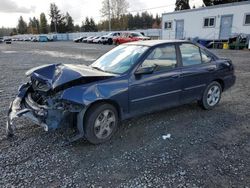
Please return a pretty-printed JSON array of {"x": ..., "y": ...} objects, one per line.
[{"x": 10, "y": 10}]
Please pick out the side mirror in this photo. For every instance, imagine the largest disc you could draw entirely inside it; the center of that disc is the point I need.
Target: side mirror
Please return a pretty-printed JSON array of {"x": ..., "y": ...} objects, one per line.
[{"x": 145, "y": 70}]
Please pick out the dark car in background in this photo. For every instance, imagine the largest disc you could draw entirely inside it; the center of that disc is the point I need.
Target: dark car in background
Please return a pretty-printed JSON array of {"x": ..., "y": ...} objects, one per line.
[
  {"x": 130, "y": 80},
  {"x": 79, "y": 39},
  {"x": 7, "y": 40}
]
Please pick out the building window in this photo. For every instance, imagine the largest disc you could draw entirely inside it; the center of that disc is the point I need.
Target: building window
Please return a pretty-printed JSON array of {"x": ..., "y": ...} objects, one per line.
[
  {"x": 168, "y": 25},
  {"x": 247, "y": 19},
  {"x": 209, "y": 22}
]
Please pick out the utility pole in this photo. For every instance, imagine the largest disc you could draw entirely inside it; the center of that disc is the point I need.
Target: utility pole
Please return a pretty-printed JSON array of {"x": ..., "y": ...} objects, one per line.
[{"x": 109, "y": 16}]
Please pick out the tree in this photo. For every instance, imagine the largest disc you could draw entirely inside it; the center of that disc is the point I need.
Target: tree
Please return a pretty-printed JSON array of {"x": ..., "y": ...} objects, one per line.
[
  {"x": 22, "y": 26},
  {"x": 55, "y": 16},
  {"x": 33, "y": 26},
  {"x": 182, "y": 5},
  {"x": 92, "y": 25},
  {"x": 218, "y": 2},
  {"x": 86, "y": 25},
  {"x": 7, "y": 31},
  {"x": 114, "y": 9},
  {"x": 77, "y": 28},
  {"x": 69, "y": 23},
  {"x": 43, "y": 24},
  {"x": 13, "y": 32}
]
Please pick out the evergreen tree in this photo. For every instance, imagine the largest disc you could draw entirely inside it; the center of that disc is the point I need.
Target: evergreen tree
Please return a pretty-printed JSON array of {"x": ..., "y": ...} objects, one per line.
[
  {"x": 182, "y": 5},
  {"x": 69, "y": 23},
  {"x": 77, "y": 28},
  {"x": 33, "y": 26},
  {"x": 22, "y": 26},
  {"x": 217, "y": 2},
  {"x": 92, "y": 25},
  {"x": 13, "y": 32},
  {"x": 43, "y": 24},
  {"x": 86, "y": 26}
]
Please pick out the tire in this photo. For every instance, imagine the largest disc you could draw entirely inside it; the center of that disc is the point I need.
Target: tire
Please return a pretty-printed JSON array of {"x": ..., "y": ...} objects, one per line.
[
  {"x": 110, "y": 41},
  {"x": 211, "y": 96},
  {"x": 101, "y": 123}
]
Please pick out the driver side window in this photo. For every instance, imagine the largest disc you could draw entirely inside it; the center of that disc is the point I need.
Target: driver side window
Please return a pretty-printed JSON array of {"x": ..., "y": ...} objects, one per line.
[{"x": 163, "y": 58}]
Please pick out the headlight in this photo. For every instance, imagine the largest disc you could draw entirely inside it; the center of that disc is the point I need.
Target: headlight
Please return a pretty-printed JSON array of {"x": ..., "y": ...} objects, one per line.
[{"x": 40, "y": 86}]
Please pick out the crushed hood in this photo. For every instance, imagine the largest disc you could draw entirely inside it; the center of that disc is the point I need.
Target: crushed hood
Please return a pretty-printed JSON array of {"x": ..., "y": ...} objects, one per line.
[{"x": 62, "y": 76}]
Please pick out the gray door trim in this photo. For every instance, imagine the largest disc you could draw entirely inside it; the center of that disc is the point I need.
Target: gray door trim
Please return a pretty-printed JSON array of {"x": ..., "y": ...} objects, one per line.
[
  {"x": 176, "y": 28},
  {"x": 225, "y": 15}
]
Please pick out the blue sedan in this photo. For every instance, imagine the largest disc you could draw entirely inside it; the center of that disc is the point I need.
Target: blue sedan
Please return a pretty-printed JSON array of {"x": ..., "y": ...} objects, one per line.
[{"x": 130, "y": 80}]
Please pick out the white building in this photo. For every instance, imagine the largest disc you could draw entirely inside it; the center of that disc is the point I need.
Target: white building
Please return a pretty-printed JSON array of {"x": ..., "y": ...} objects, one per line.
[{"x": 209, "y": 23}]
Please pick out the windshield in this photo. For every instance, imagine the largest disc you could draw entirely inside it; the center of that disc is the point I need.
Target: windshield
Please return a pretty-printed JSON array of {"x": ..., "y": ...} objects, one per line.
[{"x": 119, "y": 59}]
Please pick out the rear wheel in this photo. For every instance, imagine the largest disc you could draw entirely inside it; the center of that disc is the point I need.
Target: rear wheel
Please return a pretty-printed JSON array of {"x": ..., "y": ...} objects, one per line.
[
  {"x": 211, "y": 96},
  {"x": 100, "y": 123}
]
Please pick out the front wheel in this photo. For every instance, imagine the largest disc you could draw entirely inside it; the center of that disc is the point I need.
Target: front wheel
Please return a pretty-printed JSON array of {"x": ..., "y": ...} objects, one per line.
[
  {"x": 211, "y": 96},
  {"x": 101, "y": 123}
]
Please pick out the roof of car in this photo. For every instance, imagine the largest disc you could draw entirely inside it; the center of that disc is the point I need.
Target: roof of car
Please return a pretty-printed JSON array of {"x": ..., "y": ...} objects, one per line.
[{"x": 155, "y": 42}]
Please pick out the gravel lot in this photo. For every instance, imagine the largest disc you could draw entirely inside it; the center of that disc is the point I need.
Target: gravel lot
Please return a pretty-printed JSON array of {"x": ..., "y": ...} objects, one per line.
[{"x": 206, "y": 148}]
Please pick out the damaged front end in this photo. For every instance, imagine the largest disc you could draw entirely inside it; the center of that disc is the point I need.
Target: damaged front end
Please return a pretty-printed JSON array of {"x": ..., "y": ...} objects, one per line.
[
  {"x": 42, "y": 108},
  {"x": 41, "y": 99}
]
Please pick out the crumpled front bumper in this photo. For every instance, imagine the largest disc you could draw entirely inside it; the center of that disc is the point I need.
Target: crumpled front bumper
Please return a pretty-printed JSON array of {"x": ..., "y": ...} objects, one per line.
[{"x": 24, "y": 106}]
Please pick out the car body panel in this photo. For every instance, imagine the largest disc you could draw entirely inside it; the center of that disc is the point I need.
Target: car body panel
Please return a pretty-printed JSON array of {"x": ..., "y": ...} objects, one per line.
[
  {"x": 59, "y": 75},
  {"x": 148, "y": 91}
]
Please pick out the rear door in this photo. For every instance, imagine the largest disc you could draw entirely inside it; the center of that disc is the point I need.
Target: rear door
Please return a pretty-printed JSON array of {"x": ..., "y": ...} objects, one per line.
[{"x": 197, "y": 71}]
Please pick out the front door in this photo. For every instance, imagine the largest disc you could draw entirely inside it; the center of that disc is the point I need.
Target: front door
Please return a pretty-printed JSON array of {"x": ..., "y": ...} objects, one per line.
[
  {"x": 226, "y": 26},
  {"x": 159, "y": 89},
  {"x": 179, "y": 30}
]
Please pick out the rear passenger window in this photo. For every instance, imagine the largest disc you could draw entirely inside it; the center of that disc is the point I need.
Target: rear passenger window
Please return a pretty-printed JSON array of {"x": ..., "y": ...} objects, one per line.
[
  {"x": 163, "y": 57},
  {"x": 190, "y": 54}
]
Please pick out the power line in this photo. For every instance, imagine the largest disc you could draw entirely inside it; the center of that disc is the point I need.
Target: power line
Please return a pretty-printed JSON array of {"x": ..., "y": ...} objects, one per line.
[{"x": 140, "y": 10}]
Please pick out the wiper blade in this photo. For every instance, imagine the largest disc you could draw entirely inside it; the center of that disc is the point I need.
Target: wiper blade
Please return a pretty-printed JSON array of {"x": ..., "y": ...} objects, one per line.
[{"x": 97, "y": 68}]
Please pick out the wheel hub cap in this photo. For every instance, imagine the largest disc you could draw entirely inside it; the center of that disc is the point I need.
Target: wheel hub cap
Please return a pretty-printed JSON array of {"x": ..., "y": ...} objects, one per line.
[
  {"x": 213, "y": 95},
  {"x": 104, "y": 124}
]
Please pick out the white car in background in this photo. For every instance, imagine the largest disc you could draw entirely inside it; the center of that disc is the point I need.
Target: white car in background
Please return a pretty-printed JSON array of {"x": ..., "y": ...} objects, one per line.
[
  {"x": 99, "y": 40},
  {"x": 108, "y": 39}
]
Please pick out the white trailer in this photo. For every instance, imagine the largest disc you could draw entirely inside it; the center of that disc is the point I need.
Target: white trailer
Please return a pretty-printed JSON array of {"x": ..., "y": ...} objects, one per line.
[{"x": 218, "y": 22}]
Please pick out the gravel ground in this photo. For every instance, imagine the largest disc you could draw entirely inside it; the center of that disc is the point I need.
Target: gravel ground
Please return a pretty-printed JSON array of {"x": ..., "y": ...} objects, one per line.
[{"x": 206, "y": 148}]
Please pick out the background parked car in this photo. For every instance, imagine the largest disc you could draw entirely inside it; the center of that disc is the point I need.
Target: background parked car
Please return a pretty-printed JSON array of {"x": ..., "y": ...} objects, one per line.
[
  {"x": 98, "y": 40},
  {"x": 43, "y": 38},
  {"x": 130, "y": 37},
  {"x": 108, "y": 39},
  {"x": 7, "y": 40},
  {"x": 86, "y": 39},
  {"x": 80, "y": 39},
  {"x": 92, "y": 39}
]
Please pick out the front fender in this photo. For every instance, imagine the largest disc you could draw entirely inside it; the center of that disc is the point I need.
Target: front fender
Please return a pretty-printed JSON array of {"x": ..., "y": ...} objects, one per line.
[{"x": 116, "y": 91}]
